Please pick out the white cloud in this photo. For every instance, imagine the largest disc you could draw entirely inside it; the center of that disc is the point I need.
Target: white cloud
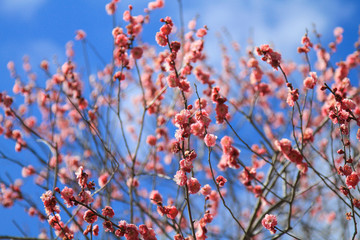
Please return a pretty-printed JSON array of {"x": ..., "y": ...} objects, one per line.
[
  {"x": 37, "y": 50},
  {"x": 281, "y": 23},
  {"x": 42, "y": 48},
  {"x": 24, "y": 9}
]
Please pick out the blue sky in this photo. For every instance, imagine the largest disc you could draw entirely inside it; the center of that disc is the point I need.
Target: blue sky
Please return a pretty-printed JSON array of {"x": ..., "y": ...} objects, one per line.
[{"x": 41, "y": 28}]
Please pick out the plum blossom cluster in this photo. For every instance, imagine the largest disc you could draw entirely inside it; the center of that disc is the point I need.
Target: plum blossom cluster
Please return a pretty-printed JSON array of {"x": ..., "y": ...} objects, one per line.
[
  {"x": 91, "y": 216},
  {"x": 202, "y": 122},
  {"x": 230, "y": 154},
  {"x": 221, "y": 108},
  {"x": 174, "y": 78},
  {"x": 167, "y": 163},
  {"x": 293, "y": 155},
  {"x": 10, "y": 194},
  {"x": 54, "y": 219},
  {"x": 310, "y": 82},
  {"x": 307, "y": 44},
  {"x": 170, "y": 211},
  {"x": 249, "y": 178},
  {"x": 186, "y": 166},
  {"x": 269, "y": 55}
]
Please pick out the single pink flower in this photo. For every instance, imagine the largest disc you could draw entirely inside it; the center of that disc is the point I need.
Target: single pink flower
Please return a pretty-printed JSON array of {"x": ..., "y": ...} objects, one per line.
[
  {"x": 172, "y": 212},
  {"x": 269, "y": 222},
  {"x": 81, "y": 176},
  {"x": 90, "y": 217},
  {"x": 206, "y": 190},
  {"x": 96, "y": 230},
  {"x": 180, "y": 178},
  {"x": 136, "y": 52},
  {"x": 161, "y": 39},
  {"x": 108, "y": 212},
  {"x": 103, "y": 179},
  {"x": 155, "y": 197},
  {"x": 80, "y": 34},
  {"x": 310, "y": 82},
  {"x": 201, "y": 32},
  {"x": 151, "y": 140},
  {"x": 193, "y": 185},
  {"x": 220, "y": 180},
  {"x": 28, "y": 171},
  {"x": 210, "y": 140},
  {"x": 67, "y": 195},
  {"x": 156, "y": 4},
  {"x": 110, "y": 8},
  {"x": 284, "y": 145},
  {"x": 352, "y": 180}
]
